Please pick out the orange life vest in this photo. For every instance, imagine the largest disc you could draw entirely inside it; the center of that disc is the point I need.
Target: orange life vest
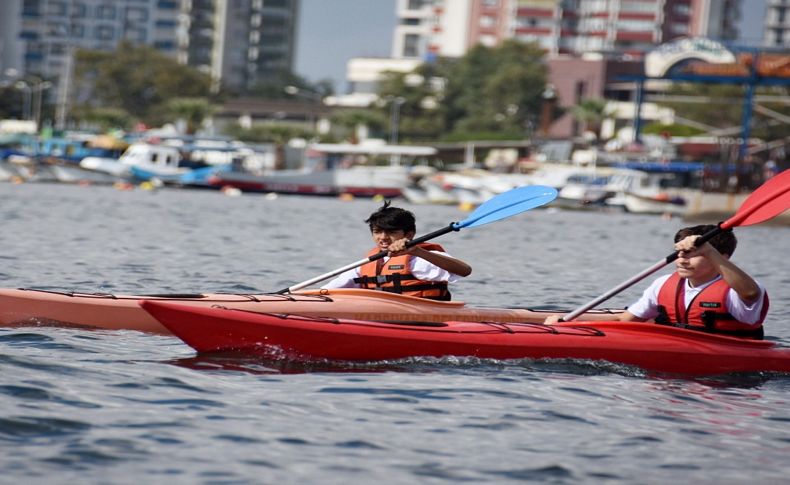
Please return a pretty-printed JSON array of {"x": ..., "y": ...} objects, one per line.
[
  {"x": 707, "y": 311},
  {"x": 394, "y": 276}
]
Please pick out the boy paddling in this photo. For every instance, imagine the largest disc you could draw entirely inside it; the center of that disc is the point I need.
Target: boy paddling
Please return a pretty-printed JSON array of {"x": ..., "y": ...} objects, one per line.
[
  {"x": 707, "y": 291},
  {"x": 422, "y": 270}
]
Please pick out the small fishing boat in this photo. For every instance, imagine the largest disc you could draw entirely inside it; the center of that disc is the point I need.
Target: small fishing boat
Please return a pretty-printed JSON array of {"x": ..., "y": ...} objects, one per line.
[
  {"x": 24, "y": 307},
  {"x": 649, "y": 346}
]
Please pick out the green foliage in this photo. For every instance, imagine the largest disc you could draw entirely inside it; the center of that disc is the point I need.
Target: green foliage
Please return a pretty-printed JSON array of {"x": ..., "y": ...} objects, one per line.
[
  {"x": 724, "y": 109},
  {"x": 136, "y": 79},
  {"x": 496, "y": 89},
  {"x": 458, "y": 136},
  {"x": 273, "y": 87},
  {"x": 657, "y": 128},
  {"x": 493, "y": 93},
  {"x": 345, "y": 122},
  {"x": 592, "y": 112},
  {"x": 191, "y": 110},
  {"x": 278, "y": 134},
  {"x": 108, "y": 118},
  {"x": 721, "y": 106}
]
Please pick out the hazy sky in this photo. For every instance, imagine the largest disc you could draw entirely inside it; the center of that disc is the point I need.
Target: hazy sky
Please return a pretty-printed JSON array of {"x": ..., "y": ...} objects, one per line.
[{"x": 333, "y": 31}]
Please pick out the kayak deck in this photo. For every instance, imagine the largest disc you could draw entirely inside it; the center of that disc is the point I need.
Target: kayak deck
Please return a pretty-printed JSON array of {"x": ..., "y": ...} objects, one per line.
[
  {"x": 649, "y": 346},
  {"x": 24, "y": 307}
]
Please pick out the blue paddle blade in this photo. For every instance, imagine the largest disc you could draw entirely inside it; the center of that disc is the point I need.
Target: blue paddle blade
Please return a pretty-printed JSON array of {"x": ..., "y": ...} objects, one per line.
[{"x": 508, "y": 204}]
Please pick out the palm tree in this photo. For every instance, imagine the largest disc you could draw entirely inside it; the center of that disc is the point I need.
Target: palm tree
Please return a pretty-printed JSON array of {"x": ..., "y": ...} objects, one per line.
[
  {"x": 591, "y": 112},
  {"x": 191, "y": 110}
]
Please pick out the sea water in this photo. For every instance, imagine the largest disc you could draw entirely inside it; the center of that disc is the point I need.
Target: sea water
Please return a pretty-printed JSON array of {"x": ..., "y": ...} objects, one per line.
[{"x": 80, "y": 406}]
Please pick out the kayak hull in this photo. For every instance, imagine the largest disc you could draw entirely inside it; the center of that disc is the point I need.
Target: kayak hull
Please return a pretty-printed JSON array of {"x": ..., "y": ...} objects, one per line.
[
  {"x": 649, "y": 346},
  {"x": 22, "y": 307}
]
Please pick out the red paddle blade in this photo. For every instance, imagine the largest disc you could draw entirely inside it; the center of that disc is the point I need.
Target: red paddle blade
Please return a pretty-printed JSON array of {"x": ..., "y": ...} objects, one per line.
[{"x": 768, "y": 201}]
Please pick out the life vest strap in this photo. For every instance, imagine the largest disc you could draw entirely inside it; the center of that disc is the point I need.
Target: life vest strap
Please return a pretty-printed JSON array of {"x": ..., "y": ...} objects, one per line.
[{"x": 381, "y": 279}]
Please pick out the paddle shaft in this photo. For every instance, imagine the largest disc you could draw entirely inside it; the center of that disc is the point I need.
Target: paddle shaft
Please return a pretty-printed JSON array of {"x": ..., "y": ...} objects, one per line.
[
  {"x": 427, "y": 237},
  {"x": 639, "y": 277}
]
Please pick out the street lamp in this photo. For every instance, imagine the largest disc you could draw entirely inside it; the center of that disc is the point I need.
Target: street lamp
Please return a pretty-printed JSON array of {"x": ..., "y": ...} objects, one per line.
[
  {"x": 395, "y": 118},
  {"x": 27, "y": 91},
  {"x": 39, "y": 90},
  {"x": 313, "y": 96},
  {"x": 547, "y": 109}
]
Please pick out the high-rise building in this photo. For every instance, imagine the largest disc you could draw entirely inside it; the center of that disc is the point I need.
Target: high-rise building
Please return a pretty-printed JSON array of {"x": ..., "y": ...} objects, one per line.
[
  {"x": 451, "y": 27},
  {"x": 777, "y": 23},
  {"x": 238, "y": 42}
]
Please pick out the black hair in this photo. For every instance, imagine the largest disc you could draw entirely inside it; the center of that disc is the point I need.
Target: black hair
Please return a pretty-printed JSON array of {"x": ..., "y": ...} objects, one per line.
[
  {"x": 388, "y": 218},
  {"x": 724, "y": 242}
]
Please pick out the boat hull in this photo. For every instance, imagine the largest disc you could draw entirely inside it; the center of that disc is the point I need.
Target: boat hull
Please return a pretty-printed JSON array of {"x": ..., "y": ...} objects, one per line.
[
  {"x": 649, "y": 346},
  {"x": 19, "y": 307}
]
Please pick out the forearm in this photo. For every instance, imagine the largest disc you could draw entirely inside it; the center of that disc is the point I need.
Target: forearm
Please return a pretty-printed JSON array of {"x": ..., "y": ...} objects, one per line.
[
  {"x": 743, "y": 284},
  {"x": 447, "y": 263}
]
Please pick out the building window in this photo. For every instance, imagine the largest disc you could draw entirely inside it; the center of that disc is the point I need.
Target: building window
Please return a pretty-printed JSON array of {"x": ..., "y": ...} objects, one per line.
[
  {"x": 77, "y": 31},
  {"x": 136, "y": 14},
  {"x": 57, "y": 29},
  {"x": 57, "y": 49},
  {"x": 487, "y": 21},
  {"x": 106, "y": 12},
  {"x": 56, "y": 9},
  {"x": 415, "y": 4},
  {"x": 411, "y": 45},
  {"x": 79, "y": 10},
  {"x": 488, "y": 40},
  {"x": 164, "y": 45},
  {"x": 104, "y": 32},
  {"x": 136, "y": 35}
]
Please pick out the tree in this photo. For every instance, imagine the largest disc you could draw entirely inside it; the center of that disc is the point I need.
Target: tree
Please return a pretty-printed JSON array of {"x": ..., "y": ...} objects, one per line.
[
  {"x": 137, "y": 79},
  {"x": 412, "y": 101},
  {"x": 591, "y": 112},
  {"x": 496, "y": 88},
  {"x": 191, "y": 110},
  {"x": 108, "y": 118},
  {"x": 490, "y": 93},
  {"x": 273, "y": 87},
  {"x": 347, "y": 122}
]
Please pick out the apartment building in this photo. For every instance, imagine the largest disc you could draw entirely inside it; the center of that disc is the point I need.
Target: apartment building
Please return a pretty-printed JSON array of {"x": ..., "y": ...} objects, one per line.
[
  {"x": 777, "y": 23},
  {"x": 632, "y": 27},
  {"x": 238, "y": 42}
]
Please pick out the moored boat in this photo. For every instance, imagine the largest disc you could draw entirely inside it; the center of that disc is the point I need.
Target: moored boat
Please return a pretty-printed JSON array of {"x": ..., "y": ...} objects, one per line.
[
  {"x": 649, "y": 346},
  {"x": 19, "y": 307}
]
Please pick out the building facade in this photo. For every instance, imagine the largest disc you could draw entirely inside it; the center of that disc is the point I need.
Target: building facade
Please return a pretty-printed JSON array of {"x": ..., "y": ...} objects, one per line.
[
  {"x": 632, "y": 27},
  {"x": 777, "y": 24},
  {"x": 239, "y": 43}
]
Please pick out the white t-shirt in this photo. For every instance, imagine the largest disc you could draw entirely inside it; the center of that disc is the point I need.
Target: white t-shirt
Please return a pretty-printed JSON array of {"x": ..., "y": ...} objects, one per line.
[
  {"x": 647, "y": 306},
  {"x": 419, "y": 267}
]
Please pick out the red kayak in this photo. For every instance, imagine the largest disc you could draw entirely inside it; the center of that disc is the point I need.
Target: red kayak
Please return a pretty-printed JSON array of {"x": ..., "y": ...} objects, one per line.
[{"x": 649, "y": 346}]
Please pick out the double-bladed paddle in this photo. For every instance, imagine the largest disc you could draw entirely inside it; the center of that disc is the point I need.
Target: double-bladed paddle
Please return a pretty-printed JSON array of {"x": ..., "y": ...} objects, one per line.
[
  {"x": 501, "y": 206},
  {"x": 768, "y": 201}
]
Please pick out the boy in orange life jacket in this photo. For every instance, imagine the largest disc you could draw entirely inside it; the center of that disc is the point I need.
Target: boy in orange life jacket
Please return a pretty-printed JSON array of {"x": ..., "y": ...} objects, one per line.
[
  {"x": 707, "y": 290},
  {"x": 422, "y": 270}
]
